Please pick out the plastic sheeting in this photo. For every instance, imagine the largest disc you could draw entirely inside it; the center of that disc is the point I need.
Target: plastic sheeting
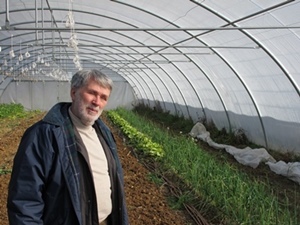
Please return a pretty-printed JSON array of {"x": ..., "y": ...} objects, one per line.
[
  {"x": 43, "y": 95},
  {"x": 233, "y": 63}
]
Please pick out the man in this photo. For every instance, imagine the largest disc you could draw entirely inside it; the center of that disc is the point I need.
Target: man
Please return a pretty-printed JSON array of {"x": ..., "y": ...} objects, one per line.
[{"x": 66, "y": 170}]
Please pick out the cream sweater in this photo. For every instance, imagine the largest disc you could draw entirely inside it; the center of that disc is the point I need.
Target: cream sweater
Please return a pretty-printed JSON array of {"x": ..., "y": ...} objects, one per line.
[{"x": 98, "y": 163}]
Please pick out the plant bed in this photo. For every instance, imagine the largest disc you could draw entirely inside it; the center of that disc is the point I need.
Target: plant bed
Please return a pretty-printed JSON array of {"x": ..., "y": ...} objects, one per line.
[{"x": 240, "y": 196}]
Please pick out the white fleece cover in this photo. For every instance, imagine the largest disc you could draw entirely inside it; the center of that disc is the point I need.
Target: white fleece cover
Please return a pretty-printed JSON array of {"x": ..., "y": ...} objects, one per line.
[
  {"x": 290, "y": 170},
  {"x": 250, "y": 157}
]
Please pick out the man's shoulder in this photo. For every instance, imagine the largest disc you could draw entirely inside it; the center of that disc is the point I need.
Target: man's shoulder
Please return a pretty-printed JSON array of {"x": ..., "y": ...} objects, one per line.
[{"x": 39, "y": 128}]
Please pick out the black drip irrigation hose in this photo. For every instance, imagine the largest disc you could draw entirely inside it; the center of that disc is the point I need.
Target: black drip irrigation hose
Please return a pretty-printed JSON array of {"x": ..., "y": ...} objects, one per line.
[{"x": 192, "y": 211}]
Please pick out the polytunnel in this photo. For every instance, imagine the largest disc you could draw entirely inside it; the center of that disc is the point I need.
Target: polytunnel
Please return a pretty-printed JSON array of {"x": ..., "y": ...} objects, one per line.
[{"x": 233, "y": 62}]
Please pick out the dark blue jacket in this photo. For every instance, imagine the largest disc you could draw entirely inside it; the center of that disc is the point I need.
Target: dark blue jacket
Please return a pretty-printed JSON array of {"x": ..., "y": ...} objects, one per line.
[{"x": 45, "y": 183}]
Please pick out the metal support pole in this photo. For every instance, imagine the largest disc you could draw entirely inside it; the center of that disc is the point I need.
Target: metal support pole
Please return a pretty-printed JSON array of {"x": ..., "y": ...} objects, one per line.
[
  {"x": 36, "y": 23},
  {"x": 7, "y": 25}
]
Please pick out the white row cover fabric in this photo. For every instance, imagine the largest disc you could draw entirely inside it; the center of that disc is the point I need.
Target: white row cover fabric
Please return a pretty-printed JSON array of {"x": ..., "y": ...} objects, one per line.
[{"x": 250, "y": 157}]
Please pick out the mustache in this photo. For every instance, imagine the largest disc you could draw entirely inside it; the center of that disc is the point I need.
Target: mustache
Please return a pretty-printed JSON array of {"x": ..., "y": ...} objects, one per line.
[{"x": 97, "y": 108}]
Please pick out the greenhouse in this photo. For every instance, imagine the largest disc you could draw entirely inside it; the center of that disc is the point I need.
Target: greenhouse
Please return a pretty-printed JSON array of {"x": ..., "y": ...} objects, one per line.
[{"x": 232, "y": 63}]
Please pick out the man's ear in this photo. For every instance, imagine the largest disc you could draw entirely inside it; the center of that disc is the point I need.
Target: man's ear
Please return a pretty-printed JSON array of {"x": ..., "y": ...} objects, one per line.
[{"x": 72, "y": 93}]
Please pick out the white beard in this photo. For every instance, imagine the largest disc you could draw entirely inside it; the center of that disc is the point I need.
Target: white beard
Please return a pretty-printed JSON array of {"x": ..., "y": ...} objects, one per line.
[{"x": 81, "y": 111}]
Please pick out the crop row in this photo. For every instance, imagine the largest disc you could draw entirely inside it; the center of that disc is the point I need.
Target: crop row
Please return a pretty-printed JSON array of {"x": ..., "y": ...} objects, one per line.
[{"x": 240, "y": 199}]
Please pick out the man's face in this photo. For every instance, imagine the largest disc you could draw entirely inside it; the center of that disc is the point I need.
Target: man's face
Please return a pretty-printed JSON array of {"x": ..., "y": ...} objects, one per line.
[{"x": 88, "y": 102}]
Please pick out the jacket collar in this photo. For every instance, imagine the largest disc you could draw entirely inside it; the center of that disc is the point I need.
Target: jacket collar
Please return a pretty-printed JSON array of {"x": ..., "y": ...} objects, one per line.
[{"x": 58, "y": 114}]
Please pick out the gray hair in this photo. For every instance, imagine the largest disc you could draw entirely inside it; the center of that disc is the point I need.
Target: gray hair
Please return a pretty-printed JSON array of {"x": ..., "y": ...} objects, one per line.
[{"x": 82, "y": 77}]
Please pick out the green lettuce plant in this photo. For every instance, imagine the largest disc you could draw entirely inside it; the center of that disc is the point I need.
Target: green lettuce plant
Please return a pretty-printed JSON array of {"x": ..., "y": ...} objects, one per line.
[{"x": 140, "y": 140}]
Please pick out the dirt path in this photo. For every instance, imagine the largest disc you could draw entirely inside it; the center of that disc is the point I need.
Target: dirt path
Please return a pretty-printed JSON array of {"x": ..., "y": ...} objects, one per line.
[{"x": 146, "y": 202}]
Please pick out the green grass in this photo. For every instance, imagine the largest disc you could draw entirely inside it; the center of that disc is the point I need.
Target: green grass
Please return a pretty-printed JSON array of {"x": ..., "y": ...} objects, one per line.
[
  {"x": 13, "y": 111},
  {"x": 238, "y": 198}
]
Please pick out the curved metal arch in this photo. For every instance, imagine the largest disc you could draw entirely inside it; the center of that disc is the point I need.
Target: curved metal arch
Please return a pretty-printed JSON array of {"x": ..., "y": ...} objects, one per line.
[
  {"x": 207, "y": 77},
  {"x": 119, "y": 34},
  {"x": 245, "y": 84},
  {"x": 257, "y": 42},
  {"x": 141, "y": 77},
  {"x": 146, "y": 46},
  {"x": 28, "y": 41},
  {"x": 124, "y": 35},
  {"x": 128, "y": 78},
  {"x": 137, "y": 81},
  {"x": 296, "y": 89},
  {"x": 159, "y": 76},
  {"x": 37, "y": 51},
  {"x": 171, "y": 62},
  {"x": 46, "y": 53},
  {"x": 154, "y": 73},
  {"x": 145, "y": 82},
  {"x": 131, "y": 63},
  {"x": 224, "y": 60},
  {"x": 36, "y": 21},
  {"x": 146, "y": 65}
]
